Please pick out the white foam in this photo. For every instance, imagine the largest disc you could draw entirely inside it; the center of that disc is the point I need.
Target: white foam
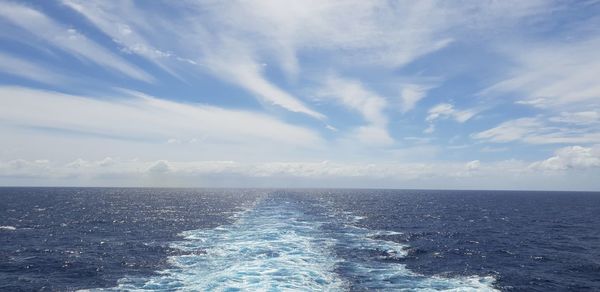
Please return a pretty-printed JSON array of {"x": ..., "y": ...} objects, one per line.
[
  {"x": 382, "y": 273},
  {"x": 268, "y": 248},
  {"x": 8, "y": 228}
]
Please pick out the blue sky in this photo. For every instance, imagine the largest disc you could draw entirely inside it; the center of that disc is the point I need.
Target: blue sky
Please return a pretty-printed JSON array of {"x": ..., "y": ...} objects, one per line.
[{"x": 398, "y": 94}]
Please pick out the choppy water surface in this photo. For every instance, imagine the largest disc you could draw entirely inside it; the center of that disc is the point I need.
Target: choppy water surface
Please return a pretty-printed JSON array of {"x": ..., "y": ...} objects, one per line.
[{"x": 308, "y": 240}]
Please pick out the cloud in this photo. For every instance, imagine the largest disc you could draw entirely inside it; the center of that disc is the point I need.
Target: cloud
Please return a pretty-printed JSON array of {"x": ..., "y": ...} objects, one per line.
[
  {"x": 589, "y": 117},
  {"x": 81, "y": 163},
  {"x": 411, "y": 94},
  {"x": 315, "y": 170},
  {"x": 380, "y": 32},
  {"x": 218, "y": 53},
  {"x": 108, "y": 17},
  {"x": 158, "y": 167},
  {"x": 353, "y": 95},
  {"x": 146, "y": 118},
  {"x": 372, "y": 135},
  {"x": 277, "y": 52},
  {"x": 511, "y": 130},
  {"x": 25, "y": 168},
  {"x": 572, "y": 157},
  {"x": 16, "y": 66},
  {"x": 234, "y": 64},
  {"x": 554, "y": 76},
  {"x": 67, "y": 39},
  {"x": 471, "y": 174},
  {"x": 444, "y": 111},
  {"x": 538, "y": 130},
  {"x": 231, "y": 40},
  {"x": 473, "y": 165}
]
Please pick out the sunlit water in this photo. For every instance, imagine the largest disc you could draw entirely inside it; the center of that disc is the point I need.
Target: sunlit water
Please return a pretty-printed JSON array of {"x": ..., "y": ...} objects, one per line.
[
  {"x": 275, "y": 246},
  {"x": 136, "y": 239}
]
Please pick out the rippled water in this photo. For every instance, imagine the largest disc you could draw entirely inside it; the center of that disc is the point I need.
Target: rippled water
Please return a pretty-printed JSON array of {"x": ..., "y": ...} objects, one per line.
[
  {"x": 307, "y": 240},
  {"x": 276, "y": 246}
]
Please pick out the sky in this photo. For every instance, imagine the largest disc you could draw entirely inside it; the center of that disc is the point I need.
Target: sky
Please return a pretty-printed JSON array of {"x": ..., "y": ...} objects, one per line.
[{"x": 357, "y": 94}]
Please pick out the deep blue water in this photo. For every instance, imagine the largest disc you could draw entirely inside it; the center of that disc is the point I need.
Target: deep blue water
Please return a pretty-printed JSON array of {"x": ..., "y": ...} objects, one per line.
[{"x": 114, "y": 239}]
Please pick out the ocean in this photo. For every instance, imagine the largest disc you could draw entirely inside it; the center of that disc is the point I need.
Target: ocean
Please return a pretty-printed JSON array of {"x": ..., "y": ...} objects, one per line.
[{"x": 148, "y": 239}]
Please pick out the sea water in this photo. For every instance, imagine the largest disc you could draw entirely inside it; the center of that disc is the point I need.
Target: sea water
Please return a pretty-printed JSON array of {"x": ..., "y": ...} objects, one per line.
[{"x": 297, "y": 240}]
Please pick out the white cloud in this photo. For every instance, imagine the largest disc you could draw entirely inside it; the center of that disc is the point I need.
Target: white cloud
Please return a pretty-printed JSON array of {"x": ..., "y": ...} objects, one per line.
[
  {"x": 315, "y": 170},
  {"x": 538, "y": 130},
  {"x": 158, "y": 167},
  {"x": 373, "y": 135},
  {"x": 380, "y": 32},
  {"x": 573, "y": 157},
  {"x": 146, "y": 118},
  {"x": 234, "y": 64},
  {"x": 232, "y": 39},
  {"x": 472, "y": 174},
  {"x": 25, "y": 168},
  {"x": 589, "y": 117},
  {"x": 411, "y": 94},
  {"x": 473, "y": 165},
  {"x": 555, "y": 76},
  {"x": 231, "y": 60},
  {"x": 353, "y": 95},
  {"x": 67, "y": 39},
  {"x": 108, "y": 17},
  {"x": 15, "y": 66},
  {"x": 512, "y": 130},
  {"x": 444, "y": 111},
  {"x": 331, "y": 128},
  {"x": 81, "y": 163}
]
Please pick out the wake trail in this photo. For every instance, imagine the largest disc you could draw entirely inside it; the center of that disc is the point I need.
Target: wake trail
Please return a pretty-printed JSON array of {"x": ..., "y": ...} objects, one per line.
[{"x": 278, "y": 246}]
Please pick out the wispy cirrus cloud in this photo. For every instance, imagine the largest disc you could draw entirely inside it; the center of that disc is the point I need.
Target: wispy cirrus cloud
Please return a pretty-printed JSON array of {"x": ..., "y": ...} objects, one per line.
[
  {"x": 587, "y": 117},
  {"x": 554, "y": 76},
  {"x": 444, "y": 111},
  {"x": 67, "y": 39},
  {"x": 144, "y": 117},
  {"x": 538, "y": 130},
  {"x": 232, "y": 40},
  {"x": 219, "y": 53},
  {"x": 353, "y": 95},
  {"x": 10, "y": 64},
  {"x": 411, "y": 94},
  {"x": 130, "y": 33},
  {"x": 233, "y": 63}
]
